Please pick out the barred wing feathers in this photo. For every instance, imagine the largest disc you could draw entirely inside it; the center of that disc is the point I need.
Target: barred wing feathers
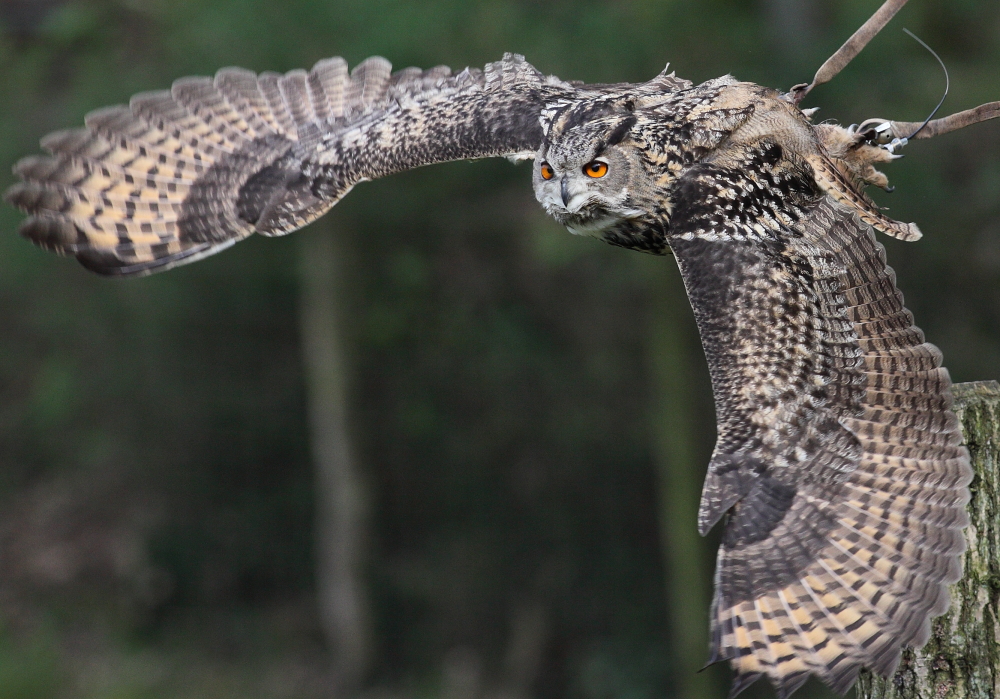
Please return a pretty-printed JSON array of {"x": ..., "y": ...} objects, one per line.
[
  {"x": 839, "y": 466},
  {"x": 181, "y": 174}
]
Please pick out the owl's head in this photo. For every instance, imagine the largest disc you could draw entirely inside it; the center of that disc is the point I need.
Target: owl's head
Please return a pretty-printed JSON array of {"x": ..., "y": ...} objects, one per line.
[{"x": 588, "y": 174}]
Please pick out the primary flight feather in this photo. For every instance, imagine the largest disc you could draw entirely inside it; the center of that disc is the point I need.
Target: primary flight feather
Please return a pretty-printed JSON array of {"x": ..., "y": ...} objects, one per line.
[{"x": 839, "y": 468}]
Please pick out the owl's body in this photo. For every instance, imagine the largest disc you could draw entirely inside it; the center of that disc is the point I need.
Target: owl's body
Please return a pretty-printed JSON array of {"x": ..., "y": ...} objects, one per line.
[{"x": 838, "y": 468}]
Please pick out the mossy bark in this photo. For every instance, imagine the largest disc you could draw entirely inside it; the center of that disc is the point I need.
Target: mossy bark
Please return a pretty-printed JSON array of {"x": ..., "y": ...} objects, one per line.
[{"x": 962, "y": 658}]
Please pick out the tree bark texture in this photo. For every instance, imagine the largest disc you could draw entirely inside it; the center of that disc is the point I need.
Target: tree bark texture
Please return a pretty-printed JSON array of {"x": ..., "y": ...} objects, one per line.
[
  {"x": 962, "y": 658},
  {"x": 341, "y": 530}
]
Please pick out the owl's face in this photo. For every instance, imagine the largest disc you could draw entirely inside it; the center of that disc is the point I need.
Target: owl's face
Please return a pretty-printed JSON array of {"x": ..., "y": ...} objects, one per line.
[{"x": 589, "y": 177}]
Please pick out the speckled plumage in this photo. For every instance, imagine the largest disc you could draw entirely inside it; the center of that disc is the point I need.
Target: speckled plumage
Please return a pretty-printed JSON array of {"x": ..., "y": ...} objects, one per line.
[{"x": 839, "y": 469}]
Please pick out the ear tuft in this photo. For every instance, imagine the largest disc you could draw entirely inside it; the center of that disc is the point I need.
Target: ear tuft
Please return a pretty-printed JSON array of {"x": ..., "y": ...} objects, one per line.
[{"x": 621, "y": 131}]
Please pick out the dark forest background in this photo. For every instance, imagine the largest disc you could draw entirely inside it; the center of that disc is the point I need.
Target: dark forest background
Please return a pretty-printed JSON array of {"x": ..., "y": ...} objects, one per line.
[{"x": 432, "y": 446}]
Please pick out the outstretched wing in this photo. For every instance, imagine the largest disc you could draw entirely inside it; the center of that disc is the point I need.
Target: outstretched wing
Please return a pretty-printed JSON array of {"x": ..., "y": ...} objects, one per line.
[
  {"x": 181, "y": 174},
  {"x": 839, "y": 466}
]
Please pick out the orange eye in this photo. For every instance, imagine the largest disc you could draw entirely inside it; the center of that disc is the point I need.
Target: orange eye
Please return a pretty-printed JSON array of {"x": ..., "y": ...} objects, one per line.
[
  {"x": 547, "y": 172},
  {"x": 595, "y": 168}
]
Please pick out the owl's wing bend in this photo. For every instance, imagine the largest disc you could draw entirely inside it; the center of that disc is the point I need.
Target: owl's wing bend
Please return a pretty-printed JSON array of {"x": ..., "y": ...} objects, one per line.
[
  {"x": 181, "y": 174},
  {"x": 839, "y": 466}
]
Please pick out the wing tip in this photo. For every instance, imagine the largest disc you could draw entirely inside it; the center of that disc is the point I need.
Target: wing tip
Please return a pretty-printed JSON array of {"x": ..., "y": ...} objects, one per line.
[
  {"x": 52, "y": 233},
  {"x": 786, "y": 686},
  {"x": 842, "y": 681},
  {"x": 18, "y": 195},
  {"x": 109, "y": 263},
  {"x": 910, "y": 232},
  {"x": 742, "y": 680}
]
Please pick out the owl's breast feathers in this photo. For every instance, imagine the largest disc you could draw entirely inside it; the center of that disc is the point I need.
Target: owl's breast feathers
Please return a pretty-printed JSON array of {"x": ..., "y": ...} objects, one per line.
[{"x": 839, "y": 468}]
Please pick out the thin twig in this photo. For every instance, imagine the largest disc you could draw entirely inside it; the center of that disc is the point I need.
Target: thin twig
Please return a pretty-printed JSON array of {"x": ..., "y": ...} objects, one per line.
[
  {"x": 851, "y": 48},
  {"x": 984, "y": 112}
]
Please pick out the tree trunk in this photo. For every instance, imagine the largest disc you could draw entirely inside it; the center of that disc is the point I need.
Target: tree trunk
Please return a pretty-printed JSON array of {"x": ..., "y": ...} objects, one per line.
[
  {"x": 341, "y": 499},
  {"x": 962, "y": 658}
]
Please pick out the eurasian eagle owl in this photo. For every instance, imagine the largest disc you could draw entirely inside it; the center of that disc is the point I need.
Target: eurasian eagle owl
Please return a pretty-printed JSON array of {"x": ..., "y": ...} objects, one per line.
[{"x": 839, "y": 467}]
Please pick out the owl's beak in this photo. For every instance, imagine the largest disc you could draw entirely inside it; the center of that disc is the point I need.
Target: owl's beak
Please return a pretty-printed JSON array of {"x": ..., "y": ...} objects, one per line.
[{"x": 575, "y": 195}]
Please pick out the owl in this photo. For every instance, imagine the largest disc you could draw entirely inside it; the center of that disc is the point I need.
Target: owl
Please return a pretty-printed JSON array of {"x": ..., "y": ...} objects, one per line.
[{"x": 839, "y": 475}]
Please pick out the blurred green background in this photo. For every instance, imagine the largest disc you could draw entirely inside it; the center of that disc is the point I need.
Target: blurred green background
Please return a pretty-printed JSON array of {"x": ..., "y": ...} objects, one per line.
[{"x": 527, "y": 415}]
